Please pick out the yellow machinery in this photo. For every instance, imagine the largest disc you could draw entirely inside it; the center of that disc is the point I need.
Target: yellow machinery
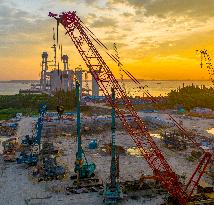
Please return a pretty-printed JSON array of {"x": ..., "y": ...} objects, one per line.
[{"x": 10, "y": 147}]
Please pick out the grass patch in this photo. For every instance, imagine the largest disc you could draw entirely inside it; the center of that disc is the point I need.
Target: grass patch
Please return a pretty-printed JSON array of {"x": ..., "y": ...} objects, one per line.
[
  {"x": 207, "y": 116},
  {"x": 8, "y": 113},
  {"x": 5, "y": 117}
]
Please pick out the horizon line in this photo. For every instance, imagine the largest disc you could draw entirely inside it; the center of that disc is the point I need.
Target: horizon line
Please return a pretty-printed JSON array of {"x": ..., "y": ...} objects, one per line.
[{"x": 123, "y": 79}]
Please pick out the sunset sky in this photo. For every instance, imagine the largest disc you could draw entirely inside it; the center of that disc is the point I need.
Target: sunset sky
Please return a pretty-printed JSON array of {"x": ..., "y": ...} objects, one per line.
[{"x": 157, "y": 39}]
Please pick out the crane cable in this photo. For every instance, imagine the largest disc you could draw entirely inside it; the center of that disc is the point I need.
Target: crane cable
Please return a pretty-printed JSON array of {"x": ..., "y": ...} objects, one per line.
[
  {"x": 208, "y": 61},
  {"x": 170, "y": 116},
  {"x": 141, "y": 87},
  {"x": 60, "y": 107},
  {"x": 119, "y": 66}
]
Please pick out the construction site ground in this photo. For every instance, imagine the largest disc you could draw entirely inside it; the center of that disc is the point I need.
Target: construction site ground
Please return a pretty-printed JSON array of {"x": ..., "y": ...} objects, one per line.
[{"x": 17, "y": 187}]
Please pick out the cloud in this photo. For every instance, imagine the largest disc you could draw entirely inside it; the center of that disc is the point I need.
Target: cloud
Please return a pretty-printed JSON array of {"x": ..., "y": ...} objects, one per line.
[
  {"x": 135, "y": 25},
  {"x": 20, "y": 30},
  {"x": 163, "y": 8},
  {"x": 195, "y": 8},
  {"x": 90, "y": 1},
  {"x": 127, "y": 14},
  {"x": 13, "y": 20},
  {"x": 104, "y": 22},
  {"x": 82, "y": 1},
  {"x": 135, "y": 3}
]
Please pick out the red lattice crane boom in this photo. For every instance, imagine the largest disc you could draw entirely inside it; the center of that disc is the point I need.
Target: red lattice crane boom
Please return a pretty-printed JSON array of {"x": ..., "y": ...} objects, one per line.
[
  {"x": 205, "y": 159},
  {"x": 106, "y": 81}
]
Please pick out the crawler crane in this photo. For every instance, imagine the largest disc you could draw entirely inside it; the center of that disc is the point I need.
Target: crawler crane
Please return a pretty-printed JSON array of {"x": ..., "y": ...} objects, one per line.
[{"x": 82, "y": 39}]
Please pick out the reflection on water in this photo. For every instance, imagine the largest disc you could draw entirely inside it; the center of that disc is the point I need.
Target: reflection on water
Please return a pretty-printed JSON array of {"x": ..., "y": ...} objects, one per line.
[
  {"x": 12, "y": 88},
  {"x": 156, "y": 135},
  {"x": 211, "y": 131},
  {"x": 134, "y": 151},
  {"x": 155, "y": 88}
]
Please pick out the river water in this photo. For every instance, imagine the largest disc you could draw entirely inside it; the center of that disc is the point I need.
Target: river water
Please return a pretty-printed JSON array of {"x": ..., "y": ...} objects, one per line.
[{"x": 155, "y": 88}]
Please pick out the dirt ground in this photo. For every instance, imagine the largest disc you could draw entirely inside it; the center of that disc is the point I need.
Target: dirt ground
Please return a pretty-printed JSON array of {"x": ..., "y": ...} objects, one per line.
[{"x": 18, "y": 188}]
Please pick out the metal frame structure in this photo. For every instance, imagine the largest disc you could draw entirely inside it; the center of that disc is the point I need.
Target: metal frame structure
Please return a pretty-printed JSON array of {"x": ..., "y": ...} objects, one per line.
[
  {"x": 205, "y": 159},
  {"x": 138, "y": 132},
  {"x": 35, "y": 142},
  {"x": 83, "y": 168},
  {"x": 112, "y": 191}
]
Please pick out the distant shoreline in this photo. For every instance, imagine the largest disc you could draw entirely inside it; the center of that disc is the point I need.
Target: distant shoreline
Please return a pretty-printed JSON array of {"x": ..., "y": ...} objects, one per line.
[
  {"x": 36, "y": 81},
  {"x": 19, "y": 81}
]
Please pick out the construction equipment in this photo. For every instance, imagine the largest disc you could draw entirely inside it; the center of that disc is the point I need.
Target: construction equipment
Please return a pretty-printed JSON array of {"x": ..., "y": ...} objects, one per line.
[
  {"x": 36, "y": 139},
  {"x": 185, "y": 134},
  {"x": 81, "y": 37},
  {"x": 112, "y": 191},
  {"x": 27, "y": 141},
  {"x": 205, "y": 159},
  {"x": 27, "y": 158},
  {"x": 49, "y": 169},
  {"x": 93, "y": 144},
  {"x": 83, "y": 168},
  {"x": 59, "y": 93},
  {"x": 174, "y": 140},
  {"x": 49, "y": 149},
  {"x": 10, "y": 147},
  {"x": 32, "y": 146}
]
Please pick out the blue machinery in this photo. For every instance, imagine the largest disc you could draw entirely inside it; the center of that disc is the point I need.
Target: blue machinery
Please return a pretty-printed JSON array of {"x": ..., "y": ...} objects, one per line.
[
  {"x": 32, "y": 157},
  {"x": 37, "y": 139},
  {"x": 112, "y": 192},
  {"x": 82, "y": 167}
]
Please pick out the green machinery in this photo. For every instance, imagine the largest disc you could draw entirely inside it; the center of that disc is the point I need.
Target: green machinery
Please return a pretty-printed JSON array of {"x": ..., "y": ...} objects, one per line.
[
  {"x": 112, "y": 191},
  {"x": 83, "y": 168}
]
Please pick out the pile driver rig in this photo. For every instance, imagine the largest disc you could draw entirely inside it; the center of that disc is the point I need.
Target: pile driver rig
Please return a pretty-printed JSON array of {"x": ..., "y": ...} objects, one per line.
[
  {"x": 34, "y": 143},
  {"x": 112, "y": 191},
  {"x": 82, "y": 38},
  {"x": 83, "y": 168}
]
